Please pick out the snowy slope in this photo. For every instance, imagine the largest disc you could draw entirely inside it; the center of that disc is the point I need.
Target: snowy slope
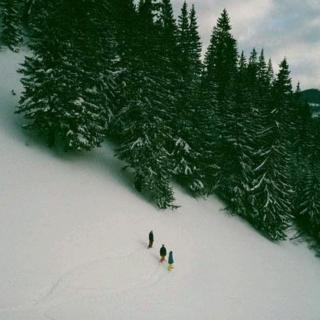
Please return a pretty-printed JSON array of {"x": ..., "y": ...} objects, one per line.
[{"x": 73, "y": 244}]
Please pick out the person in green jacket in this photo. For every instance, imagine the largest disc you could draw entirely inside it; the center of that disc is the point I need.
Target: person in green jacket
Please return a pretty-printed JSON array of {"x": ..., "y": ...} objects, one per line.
[{"x": 170, "y": 261}]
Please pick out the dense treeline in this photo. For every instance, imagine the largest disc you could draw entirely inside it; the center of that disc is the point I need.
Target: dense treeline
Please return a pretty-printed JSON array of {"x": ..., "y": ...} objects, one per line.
[{"x": 133, "y": 73}]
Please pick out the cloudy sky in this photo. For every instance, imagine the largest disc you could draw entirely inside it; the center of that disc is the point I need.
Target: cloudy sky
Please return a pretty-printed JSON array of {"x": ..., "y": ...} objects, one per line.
[{"x": 284, "y": 28}]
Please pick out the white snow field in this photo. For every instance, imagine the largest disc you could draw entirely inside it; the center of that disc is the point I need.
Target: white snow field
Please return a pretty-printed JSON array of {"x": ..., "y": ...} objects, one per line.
[{"x": 73, "y": 237}]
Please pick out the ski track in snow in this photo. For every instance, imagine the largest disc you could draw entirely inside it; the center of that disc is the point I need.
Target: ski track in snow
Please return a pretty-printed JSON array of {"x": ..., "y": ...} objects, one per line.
[
  {"x": 68, "y": 286},
  {"x": 64, "y": 291},
  {"x": 63, "y": 278},
  {"x": 71, "y": 279}
]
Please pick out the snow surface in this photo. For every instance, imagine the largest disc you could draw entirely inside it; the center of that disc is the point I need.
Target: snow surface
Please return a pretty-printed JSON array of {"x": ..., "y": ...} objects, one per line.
[{"x": 73, "y": 237}]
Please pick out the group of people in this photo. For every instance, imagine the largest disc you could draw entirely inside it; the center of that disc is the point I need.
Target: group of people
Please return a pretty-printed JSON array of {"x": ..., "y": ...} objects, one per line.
[{"x": 163, "y": 252}]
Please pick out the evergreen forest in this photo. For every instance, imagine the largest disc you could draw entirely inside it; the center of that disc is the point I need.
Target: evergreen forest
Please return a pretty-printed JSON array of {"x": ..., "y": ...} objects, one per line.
[{"x": 218, "y": 123}]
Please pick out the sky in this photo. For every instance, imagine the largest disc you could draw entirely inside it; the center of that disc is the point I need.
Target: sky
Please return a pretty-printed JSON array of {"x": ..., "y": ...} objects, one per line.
[{"x": 284, "y": 28}]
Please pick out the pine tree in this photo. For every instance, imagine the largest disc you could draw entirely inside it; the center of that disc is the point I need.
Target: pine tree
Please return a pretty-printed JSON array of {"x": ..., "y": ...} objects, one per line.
[
  {"x": 127, "y": 37},
  {"x": 185, "y": 153},
  {"x": 183, "y": 39},
  {"x": 258, "y": 97},
  {"x": 11, "y": 24},
  {"x": 270, "y": 73},
  {"x": 195, "y": 44},
  {"x": 262, "y": 72},
  {"x": 145, "y": 134},
  {"x": 68, "y": 82},
  {"x": 168, "y": 30},
  {"x": 219, "y": 77},
  {"x": 221, "y": 57},
  {"x": 306, "y": 171},
  {"x": 189, "y": 44},
  {"x": 308, "y": 190},
  {"x": 244, "y": 133},
  {"x": 167, "y": 55},
  {"x": 271, "y": 195}
]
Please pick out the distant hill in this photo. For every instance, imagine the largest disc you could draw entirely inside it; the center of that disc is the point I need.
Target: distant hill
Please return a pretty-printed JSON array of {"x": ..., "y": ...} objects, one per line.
[{"x": 311, "y": 96}]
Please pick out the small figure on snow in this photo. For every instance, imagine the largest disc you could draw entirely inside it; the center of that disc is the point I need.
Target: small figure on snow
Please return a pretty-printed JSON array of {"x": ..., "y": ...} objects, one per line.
[
  {"x": 170, "y": 261},
  {"x": 151, "y": 239},
  {"x": 163, "y": 253},
  {"x": 13, "y": 92}
]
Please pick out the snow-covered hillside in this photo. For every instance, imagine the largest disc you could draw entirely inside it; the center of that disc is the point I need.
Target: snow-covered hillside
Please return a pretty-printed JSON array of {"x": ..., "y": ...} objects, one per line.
[{"x": 73, "y": 237}]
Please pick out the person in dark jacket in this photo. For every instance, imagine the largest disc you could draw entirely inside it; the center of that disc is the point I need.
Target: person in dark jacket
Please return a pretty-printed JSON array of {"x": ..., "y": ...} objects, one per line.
[
  {"x": 151, "y": 239},
  {"x": 170, "y": 261},
  {"x": 163, "y": 253}
]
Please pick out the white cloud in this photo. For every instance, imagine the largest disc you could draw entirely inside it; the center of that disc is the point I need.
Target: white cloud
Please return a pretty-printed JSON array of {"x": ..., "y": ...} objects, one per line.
[{"x": 285, "y": 28}]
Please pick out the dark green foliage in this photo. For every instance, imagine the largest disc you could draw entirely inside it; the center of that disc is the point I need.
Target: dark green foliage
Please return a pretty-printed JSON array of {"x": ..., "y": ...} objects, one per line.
[
  {"x": 68, "y": 82},
  {"x": 11, "y": 35},
  {"x": 128, "y": 70},
  {"x": 307, "y": 179},
  {"x": 272, "y": 191},
  {"x": 221, "y": 57},
  {"x": 219, "y": 81},
  {"x": 145, "y": 132},
  {"x": 186, "y": 121},
  {"x": 126, "y": 34}
]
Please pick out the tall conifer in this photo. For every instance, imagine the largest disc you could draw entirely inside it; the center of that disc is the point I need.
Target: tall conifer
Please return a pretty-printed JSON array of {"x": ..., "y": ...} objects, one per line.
[
  {"x": 272, "y": 193},
  {"x": 219, "y": 77},
  {"x": 186, "y": 151},
  {"x": 145, "y": 134}
]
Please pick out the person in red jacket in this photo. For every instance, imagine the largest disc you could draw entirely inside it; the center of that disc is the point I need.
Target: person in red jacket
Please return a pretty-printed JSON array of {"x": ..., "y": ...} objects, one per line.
[
  {"x": 151, "y": 239},
  {"x": 163, "y": 253}
]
